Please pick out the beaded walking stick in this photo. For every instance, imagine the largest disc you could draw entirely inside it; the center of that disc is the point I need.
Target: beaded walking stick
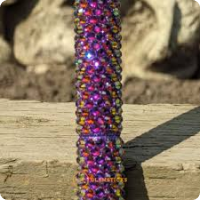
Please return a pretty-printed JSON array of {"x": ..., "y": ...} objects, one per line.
[{"x": 99, "y": 104}]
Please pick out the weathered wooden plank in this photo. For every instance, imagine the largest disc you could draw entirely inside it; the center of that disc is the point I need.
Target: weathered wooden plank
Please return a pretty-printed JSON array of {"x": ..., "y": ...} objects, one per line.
[{"x": 38, "y": 152}]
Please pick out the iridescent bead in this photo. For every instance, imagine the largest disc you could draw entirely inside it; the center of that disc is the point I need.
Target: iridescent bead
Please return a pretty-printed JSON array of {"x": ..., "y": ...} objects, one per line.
[
  {"x": 90, "y": 36},
  {"x": 113, "y": 5},
  {"x": 88, "y": 28},
  {"x": 91, "y": 88},
  {"x": 96, "y": 97},
  {"x": 98, "y": 12},
  {"x": 76, "y": 21},
  {"x": 98, "y": 60},
  {"x": 109, "y": 36},
  {"x": 82, "y": 21},
  {"x": 89, "y": 55},
  {"x": 81, "y": 160},
  {"x": 118, "y": 192},
  {"x": 93, "y": 20},
  {"x": 118, "y": 85},
  {"x": 83, "y": 5},
  {"x": 90, "y": 70},
  {"x": 96, "y": 45},
  {"x": 96, "y": 78},
  {"x": 88, "y": 12},
  {"x": 93, "y": 3},
  {"x": 100, "y": 193},
  {"x": 90, "y": 162},
  {"x": 107, "y": 13},
  {"x": 97, "y": 29},
  {"x": 99, "y": 160},
  {"x": 99, "y": 36},
  {"x": 89, "y": 195},
  {"x": 118, "y": 37},
  {"x": 85, "y": 131},
  {"x": 116, "y": 12},
  {"x": 96, "y": 130},
  {"x": 95, "y": 113},
  {"x": 80, "y": 12},
  {"x": 76, "y": 4}
]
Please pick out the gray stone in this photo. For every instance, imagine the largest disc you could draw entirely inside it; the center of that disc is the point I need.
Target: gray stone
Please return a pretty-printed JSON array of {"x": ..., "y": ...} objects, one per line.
[
  {"x": 46, "y": 36},
  {"x": 5, "y": 51},
  {"x": 160, "y": 38},
  {"x": 154, "y": 31}
]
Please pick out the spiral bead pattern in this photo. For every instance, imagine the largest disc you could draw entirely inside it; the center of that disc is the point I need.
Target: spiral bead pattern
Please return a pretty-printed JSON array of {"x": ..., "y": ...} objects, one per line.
[{"x": 99, "y": 103}]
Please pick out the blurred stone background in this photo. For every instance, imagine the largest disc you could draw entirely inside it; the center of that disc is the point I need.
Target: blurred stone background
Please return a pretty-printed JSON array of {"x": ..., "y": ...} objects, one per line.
[{"x": 161, "y": 51}]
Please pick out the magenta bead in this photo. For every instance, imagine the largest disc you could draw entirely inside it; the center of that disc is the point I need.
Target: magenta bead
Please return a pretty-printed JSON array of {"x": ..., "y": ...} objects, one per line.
[
  {"x": 98, "y": 12},
  {"x": 93, "y": 20}
]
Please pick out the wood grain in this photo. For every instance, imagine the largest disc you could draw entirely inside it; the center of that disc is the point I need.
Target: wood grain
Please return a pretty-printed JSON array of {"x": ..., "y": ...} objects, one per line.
[{"x": 38, "y": 152}]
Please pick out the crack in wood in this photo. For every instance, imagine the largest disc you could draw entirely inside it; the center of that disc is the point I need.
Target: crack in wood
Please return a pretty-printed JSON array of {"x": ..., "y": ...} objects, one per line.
[{"x": 8, "y": 173}]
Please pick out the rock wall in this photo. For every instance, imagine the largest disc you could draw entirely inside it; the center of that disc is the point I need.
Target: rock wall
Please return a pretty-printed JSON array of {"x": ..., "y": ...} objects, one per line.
[{"x": 160, "y": 38}]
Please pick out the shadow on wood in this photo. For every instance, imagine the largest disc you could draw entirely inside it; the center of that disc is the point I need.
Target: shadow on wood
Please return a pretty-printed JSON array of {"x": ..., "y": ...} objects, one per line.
[{"x": 159, "y": 139}]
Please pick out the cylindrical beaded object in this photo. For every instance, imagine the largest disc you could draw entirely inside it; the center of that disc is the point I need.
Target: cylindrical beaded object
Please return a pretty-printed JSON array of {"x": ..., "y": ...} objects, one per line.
[{"x": 99, "y": 103}]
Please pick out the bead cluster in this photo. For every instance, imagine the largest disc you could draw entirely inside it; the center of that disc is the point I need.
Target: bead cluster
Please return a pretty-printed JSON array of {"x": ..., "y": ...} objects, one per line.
[{"x": 99, "y": 104}]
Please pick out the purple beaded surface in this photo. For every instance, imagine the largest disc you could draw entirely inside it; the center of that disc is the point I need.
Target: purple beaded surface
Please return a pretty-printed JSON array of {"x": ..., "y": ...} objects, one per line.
[{"x": 99, "y": 103}]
